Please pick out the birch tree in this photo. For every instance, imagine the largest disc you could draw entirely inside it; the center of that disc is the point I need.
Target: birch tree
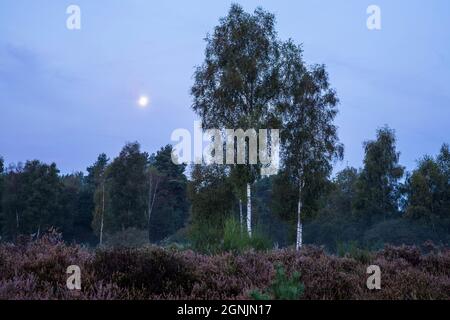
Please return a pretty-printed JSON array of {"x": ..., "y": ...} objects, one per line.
[
  {"x": 154, "y": 179},
  {"x": 97, "y": 178},
  {"x": 236, "y": 86},
  {"x": 309, "y": 138}
]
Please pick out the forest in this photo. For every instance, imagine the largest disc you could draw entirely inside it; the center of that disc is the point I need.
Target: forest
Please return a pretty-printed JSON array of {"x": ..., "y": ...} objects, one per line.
[{"x": 142, "y": 226}]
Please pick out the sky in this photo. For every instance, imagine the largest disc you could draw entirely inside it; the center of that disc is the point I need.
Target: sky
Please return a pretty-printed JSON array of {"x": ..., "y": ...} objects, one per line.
[{"x": 68, "y": 95}]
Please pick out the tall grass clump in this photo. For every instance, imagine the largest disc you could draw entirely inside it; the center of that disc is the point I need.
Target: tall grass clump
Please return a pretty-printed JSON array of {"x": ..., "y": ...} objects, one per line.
[
  {"x": 283, "y": 287},
  {"x": 351, "y": 249},
  {"x": 236, "y": 238}
]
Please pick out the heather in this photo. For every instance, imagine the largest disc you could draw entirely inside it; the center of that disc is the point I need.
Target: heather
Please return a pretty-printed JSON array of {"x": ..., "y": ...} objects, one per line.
[{"x": 36, "y": 270}]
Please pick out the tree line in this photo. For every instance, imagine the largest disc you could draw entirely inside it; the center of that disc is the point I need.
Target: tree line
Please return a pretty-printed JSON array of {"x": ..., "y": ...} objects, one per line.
[
  {"x": 148, "y": 196},
  {"x": 134, "y": 190}
]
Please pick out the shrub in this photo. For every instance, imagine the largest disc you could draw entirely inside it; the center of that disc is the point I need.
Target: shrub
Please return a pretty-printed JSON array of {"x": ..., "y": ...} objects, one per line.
[
  {"x": 237, "y": 240},
  {"x": 130, "y": 237},
  {"x": 352, "y": 250},
  {"x": 179, "y": 239},
  {"x": 234, "y": 237},
  {"x": 143, "y": 272},
  {"x": 282, "y": 288},
  {"x": 205, "y": 238}
]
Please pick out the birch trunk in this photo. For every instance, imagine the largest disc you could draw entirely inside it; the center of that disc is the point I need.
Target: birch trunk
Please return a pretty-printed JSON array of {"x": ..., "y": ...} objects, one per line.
[
  {"x": 103, "y": 214},
  {"x": 249, "y": 209},
  {"x": 241, "y": 217},
  {"x": 151, "y": 201},
  {"x": 298, "y": 244},
  {"x": 149, "y": 209}
]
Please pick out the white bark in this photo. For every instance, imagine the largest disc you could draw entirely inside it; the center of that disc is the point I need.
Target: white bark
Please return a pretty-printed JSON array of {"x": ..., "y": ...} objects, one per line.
[
  {"x": 298, "y": 244},
  {"x": 241, "y": 217},
  {"x": 151, "y": 200},
  {"x": 103, "y": 214},
  {"x": 152, "y": 203},
  {"x": 249, "y": 209}
]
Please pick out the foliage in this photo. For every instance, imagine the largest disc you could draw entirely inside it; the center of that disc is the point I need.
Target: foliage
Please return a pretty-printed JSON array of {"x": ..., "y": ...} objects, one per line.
[
  {"x": 378, "y": 183},
  {"x": 238, "y": 78},
  {"x": 171, "y": 207},
  {"x": 428, "y": 191},
  {"x": 126, "y": 185},
  {"x": 130, "y": 237},
  {"x": 352, "y": 250},
  {"x": 235, "y": 238},
  {"x": 96, "y": 179},
  {"x": 31, "y": 200},
  {"x": 237, "y": 86},
  {"x": 283, "y": 287},
  {"x": 211, "y": 196},
  {"x": 308, "y": 108}
]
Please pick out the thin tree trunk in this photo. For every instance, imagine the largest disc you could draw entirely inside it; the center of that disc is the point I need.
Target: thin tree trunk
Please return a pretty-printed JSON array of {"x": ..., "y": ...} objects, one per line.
[
  {"x": 241, "y": 217},
  {"x": 149, "y": 210},
  {"x": 103, "y": 214},
  {"x": 249, "y": 209},
  {"x": 151, "y": 202},
  {"x": 17, "y": 225},
  {"x": 298, "y": 244}
]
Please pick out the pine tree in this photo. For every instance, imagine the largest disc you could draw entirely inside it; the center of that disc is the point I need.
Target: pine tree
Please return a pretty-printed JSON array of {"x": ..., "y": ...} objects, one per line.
[
  {"x": 378, "y": 186},
  {"x": 126, "y": 187}
]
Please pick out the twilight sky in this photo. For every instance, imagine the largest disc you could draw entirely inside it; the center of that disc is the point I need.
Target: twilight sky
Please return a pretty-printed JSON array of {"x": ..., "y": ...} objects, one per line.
[{"x": 67, "y": 95}]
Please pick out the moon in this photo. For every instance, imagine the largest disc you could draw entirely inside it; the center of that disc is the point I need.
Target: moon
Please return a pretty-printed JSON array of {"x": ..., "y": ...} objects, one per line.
[{"x": 143, "y": 101}]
